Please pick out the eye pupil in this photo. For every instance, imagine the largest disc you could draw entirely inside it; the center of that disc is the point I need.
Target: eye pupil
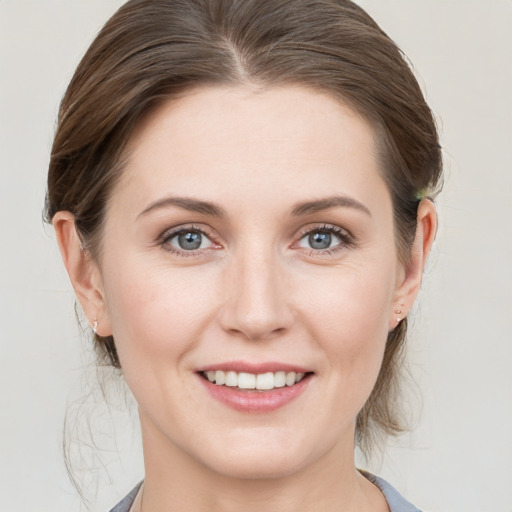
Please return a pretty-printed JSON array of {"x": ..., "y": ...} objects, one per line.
[
  {"x": 320, "y": 240},
  {"x": 190, "y": 241}
]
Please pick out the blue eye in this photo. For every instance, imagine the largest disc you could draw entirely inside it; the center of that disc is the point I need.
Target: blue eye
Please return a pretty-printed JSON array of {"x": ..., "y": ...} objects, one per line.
[
  {"x": 325, "y": 238},
  {"x": 320, "y": 240},
  {"x": 187, "y": 240}
]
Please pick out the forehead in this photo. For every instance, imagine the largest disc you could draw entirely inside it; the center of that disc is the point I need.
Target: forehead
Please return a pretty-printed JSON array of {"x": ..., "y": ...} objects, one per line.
[{"x": 230, "y": 143}]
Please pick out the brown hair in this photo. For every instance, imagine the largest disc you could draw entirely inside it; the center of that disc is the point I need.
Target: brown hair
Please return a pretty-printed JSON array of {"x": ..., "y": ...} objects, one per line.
[{"x": 151, "y": 50}]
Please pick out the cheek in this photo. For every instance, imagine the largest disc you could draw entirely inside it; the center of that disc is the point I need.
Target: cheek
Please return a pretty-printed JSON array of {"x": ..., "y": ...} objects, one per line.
[
  {"x": 349, "y": 317},
  {"x": 155, "y": 313},
  {"x": 353, "y": 302}
]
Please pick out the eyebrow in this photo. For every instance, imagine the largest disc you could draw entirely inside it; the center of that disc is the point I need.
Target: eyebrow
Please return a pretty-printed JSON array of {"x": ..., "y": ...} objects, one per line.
[
  {"x": 299, "y": 209},
  {"x": 187, "y": 203},
  {"x": 319, "y": 205}
]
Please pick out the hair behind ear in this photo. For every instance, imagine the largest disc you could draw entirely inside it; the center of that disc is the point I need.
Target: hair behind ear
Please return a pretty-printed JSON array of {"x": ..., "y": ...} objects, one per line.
[{"x": 83, "y": 272}]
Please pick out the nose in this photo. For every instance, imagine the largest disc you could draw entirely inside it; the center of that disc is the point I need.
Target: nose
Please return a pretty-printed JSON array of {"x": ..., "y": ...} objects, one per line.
[{"x": 256, "y": 306}]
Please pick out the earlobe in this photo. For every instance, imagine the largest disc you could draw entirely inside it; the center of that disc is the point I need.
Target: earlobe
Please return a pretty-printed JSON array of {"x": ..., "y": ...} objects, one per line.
[
  {"x": 410, "y": 279},
  {"x": 83, "y": 272}
]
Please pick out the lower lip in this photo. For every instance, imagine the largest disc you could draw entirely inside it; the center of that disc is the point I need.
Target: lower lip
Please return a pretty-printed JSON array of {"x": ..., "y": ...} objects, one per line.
[{"x": 256, "y": 401}]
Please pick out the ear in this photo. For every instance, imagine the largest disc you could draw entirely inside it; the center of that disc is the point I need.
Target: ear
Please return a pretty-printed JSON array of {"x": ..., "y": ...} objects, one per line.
[
  {"x": 83, "y": 272},
  {"x": 409, "y": 283}
]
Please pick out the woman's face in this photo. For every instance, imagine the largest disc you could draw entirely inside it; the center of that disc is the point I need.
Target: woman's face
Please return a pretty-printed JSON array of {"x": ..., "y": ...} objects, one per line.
[{"x": 250, "y": 233}]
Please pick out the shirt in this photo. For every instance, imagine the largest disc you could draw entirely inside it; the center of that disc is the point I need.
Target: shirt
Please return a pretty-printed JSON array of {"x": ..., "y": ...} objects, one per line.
[{"x": 396, "y": 502}]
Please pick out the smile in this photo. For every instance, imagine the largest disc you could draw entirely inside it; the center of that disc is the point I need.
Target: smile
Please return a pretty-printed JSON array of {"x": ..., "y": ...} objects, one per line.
[
  {"x": 255, "y": 388},
  {"x": 251, "y": 381}
]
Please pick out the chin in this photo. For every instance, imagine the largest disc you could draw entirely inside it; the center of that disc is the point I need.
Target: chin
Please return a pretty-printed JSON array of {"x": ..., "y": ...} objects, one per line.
[
  {"x": 258, "y": 466},
  {"x": 257, "y": 455}
]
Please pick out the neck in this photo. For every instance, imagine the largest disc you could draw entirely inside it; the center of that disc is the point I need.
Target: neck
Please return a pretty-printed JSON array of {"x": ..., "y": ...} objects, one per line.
[{"x": 175, "y": 481}]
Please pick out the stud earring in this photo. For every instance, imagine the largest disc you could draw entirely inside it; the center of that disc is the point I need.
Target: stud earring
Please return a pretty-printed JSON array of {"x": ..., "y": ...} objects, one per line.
[
  {"x": 95, "y": 327},
  {"x": 399, "y": 312}
]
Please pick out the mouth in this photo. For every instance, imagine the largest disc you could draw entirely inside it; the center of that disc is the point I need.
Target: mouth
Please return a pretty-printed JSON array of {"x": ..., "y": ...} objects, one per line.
[
  {"x": 261, "y": 382},
  {"x": 260, "y": 388}
]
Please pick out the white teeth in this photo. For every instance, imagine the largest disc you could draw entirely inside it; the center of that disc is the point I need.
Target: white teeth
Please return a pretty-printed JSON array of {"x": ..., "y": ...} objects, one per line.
[
  {"x": 231, "y": 379},
  {"x": 280, "y": 379},
  {"x": 246, "y": 380},
  {"x": 265, "y": 381},
  {"x": 290, "y": 378},
  {"x": 261, "y": 381}
]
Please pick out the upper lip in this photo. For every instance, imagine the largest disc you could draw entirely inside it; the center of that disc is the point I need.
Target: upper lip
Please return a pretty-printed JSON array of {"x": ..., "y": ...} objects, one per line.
[{"x": 255, "y": 368}]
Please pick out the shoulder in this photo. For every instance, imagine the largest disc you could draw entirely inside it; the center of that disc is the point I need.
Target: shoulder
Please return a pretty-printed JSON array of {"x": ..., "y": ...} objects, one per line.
[
  {"x": 125, "y": 504},
  {"x": 396, "y": 502}
]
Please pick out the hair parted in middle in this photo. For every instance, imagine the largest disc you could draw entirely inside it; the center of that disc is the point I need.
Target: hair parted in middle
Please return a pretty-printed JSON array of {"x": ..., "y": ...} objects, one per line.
[{"x": 151, "y": 51}]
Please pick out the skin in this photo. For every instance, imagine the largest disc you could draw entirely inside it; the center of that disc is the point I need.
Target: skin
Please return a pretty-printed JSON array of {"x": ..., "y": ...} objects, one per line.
[{"x": 255, "y": 291}]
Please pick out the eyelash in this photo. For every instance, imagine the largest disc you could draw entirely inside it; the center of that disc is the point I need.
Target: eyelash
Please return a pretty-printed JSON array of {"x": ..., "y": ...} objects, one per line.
[
  {"x": 346, "y": 240},
  {"x": 166, "y": 238}
]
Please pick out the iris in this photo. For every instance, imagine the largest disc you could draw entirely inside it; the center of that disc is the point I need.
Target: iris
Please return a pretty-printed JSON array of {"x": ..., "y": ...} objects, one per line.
[{"x": 320, "y": 240}]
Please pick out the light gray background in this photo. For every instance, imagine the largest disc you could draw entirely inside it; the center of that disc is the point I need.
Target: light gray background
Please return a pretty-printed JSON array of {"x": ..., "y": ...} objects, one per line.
[{"x": 459, "y": 458}]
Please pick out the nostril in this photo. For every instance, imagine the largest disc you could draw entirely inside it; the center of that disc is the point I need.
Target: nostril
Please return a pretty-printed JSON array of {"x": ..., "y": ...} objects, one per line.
[{"x": 256, "y": 325}]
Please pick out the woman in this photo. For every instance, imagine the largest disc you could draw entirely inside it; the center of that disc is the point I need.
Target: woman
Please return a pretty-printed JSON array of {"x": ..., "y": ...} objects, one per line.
[{"x": 240, "y": 192}]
